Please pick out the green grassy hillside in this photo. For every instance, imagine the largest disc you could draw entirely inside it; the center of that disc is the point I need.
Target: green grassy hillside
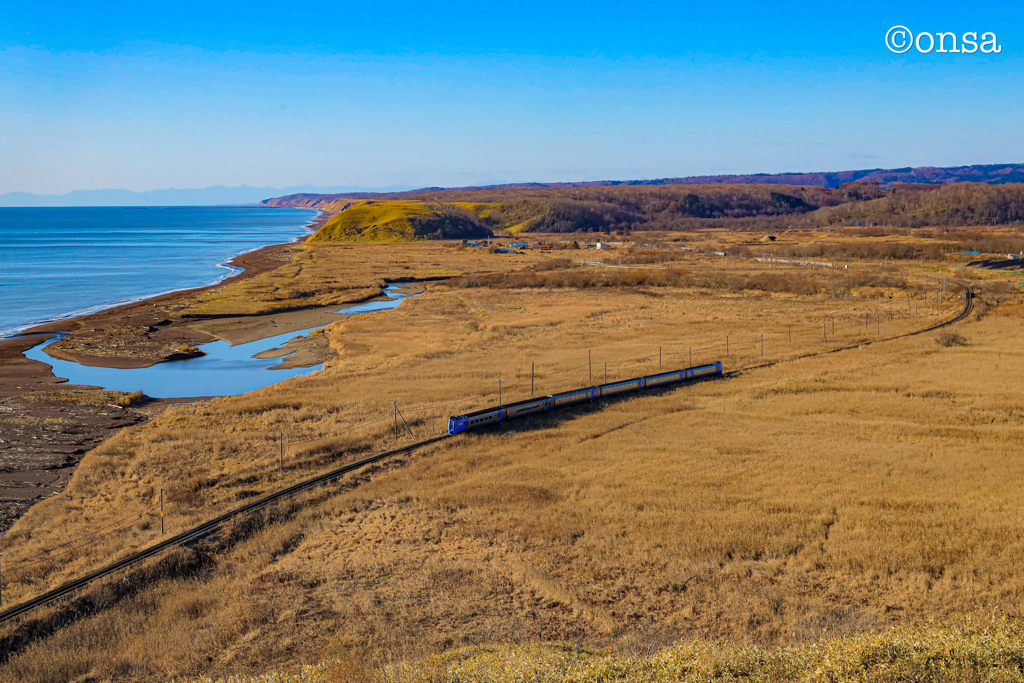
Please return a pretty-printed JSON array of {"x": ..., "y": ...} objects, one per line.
[{"x": 400, "y": 221}]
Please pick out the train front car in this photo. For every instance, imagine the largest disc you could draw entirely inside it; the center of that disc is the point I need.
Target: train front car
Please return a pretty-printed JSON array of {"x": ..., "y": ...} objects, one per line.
[
  {"x": 460, "y": 423},
  {"x": 456, "y": 424}
]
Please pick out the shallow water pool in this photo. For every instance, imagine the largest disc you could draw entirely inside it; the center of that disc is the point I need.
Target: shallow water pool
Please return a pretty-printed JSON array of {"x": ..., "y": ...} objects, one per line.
[{"x": 224, "y": 370}]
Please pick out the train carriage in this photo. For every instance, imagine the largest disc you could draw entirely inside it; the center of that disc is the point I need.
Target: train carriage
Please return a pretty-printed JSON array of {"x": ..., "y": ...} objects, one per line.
[
  {"x": 576, "y": 396},
  {"x": 622, "y": 387},
  {"x": 526, "y": 407},
  {"x": 667, "y": 378},
  {"x": 704, "y": 370}
]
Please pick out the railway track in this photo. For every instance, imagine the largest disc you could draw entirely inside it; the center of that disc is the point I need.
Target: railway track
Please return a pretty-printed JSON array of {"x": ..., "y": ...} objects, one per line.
[
  {"x": 203, "y": 530},
  {"x": 208, "y": 527}
]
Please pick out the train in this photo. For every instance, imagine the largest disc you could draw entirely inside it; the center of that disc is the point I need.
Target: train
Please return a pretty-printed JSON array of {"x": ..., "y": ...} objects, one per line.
[{"x": 514, "y": 411}]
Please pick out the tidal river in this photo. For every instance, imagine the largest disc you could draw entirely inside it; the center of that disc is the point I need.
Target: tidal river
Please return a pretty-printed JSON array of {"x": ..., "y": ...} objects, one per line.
[{"x": 224, "y": 370}]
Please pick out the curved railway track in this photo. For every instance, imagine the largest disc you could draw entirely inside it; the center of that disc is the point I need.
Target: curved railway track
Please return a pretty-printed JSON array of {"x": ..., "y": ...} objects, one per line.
[
  {"x": 202, "y": 530},
  {"x": 208, "y": 527}
]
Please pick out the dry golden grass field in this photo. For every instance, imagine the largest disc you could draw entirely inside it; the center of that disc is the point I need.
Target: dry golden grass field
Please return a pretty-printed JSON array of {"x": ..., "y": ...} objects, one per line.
[{"x": 806, "y": 495}]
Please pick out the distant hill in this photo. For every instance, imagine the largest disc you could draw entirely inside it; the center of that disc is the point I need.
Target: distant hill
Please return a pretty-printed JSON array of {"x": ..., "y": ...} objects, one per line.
[
  {"x": 752, "y": 206},
  {"x": 993, "y": 174}
]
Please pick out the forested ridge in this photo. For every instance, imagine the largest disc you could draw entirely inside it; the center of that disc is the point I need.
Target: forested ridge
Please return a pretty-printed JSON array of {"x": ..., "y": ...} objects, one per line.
[{"x": 472, "y": 213}]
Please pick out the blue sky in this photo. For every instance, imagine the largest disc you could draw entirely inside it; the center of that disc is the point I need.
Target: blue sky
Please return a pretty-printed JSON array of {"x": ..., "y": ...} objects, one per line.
[{"x": 151, "y": 95}]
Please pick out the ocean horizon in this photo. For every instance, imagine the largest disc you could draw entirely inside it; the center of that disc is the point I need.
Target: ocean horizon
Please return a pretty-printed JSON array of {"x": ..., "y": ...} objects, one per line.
[{"x": 61, "y": 262}]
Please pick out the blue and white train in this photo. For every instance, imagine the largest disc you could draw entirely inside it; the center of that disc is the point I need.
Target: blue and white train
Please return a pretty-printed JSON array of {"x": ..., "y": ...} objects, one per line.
[{"x": 512, "y": 411}]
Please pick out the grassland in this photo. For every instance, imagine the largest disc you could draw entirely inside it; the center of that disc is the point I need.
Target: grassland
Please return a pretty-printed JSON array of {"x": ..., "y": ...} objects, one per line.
[
  {"x": 330, "y": 274},
  {"x": 807, "y": 497},
  {"x": 982, "y": 646}
]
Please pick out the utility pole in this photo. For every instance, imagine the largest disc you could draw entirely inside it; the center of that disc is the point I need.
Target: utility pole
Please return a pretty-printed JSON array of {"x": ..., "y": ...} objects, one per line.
[
  {"x": 659, "y": 358},
  {"x": 790, "y": 328},
  {"x": 691, "y": 356},
  {"x": 531, "y": 379},
  {"x": 590, "y": 365},
  {"x": 726, "y": 345},
  {"x": 162, "y": 530},
  {"x": 394, "y": 405},
  {"x": 762, "y": 344},
  {"x": 606, "y": 373},
  {"x": 281, "y": 452},
  {"x": 878, "y": 324},
  {"x": 399, "y": 411},
  {"x": 499, "y": 381},
  {"x": 2, "y": 581},
  {"x": 833, "y": 326},
  {"x": 824, "y": 336}
]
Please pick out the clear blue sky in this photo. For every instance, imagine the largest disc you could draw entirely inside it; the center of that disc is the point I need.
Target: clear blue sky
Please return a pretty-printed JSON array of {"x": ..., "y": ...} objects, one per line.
[{"x": 150, "y": 95}]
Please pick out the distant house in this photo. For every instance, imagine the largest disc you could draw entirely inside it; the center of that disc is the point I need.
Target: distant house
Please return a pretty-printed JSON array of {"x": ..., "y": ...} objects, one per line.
[
  {"x": 601, "y": 245},
  {"x": 521, "y": 245}
]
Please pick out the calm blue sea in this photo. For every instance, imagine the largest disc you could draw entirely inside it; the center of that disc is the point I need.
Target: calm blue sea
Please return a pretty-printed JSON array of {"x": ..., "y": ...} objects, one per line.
[{"x": 57, "y": 262}]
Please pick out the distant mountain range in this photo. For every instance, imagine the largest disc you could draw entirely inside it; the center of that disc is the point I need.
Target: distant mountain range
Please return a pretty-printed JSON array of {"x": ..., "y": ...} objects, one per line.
[
  {"x": 307, "y": 195},
  {"x": 993, "y": 174},
  {"x": 208, "y": 196}
]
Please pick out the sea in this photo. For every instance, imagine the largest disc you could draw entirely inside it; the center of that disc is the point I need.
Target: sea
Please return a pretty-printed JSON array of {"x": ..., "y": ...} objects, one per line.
[{"x": 61, "y": 262}]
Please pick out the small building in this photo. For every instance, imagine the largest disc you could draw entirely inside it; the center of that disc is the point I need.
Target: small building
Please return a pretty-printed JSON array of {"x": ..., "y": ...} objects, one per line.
[
  {"x": 519, "y": 245},
  {"x": 601, "y": 245}
]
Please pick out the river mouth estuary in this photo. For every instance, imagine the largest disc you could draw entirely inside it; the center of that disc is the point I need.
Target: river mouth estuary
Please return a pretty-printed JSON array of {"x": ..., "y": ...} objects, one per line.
[{"x": 224, "y": 370}]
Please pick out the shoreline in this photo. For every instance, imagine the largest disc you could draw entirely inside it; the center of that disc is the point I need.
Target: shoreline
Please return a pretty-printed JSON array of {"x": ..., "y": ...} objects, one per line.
[
  {"x": 247, "y": 264},
  {"x": 229, "y": 263},
  {"x": 250, "y": 263},
  {"x": 55, "y": 422}
]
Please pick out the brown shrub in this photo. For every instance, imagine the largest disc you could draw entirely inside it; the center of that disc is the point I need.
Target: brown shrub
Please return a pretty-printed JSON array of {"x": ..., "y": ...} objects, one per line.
[{"x": 948, "y": 339}]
